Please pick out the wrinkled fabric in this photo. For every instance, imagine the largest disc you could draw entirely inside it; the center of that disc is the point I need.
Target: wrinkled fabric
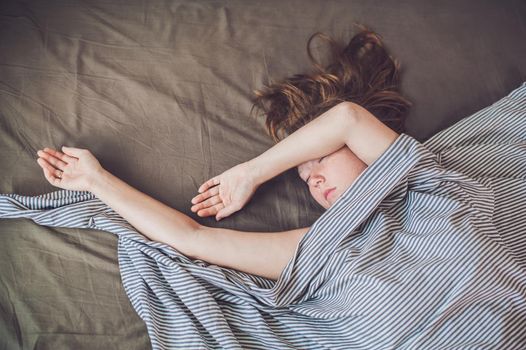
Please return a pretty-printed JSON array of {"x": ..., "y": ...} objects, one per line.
[{"x": 425, "y": 249}]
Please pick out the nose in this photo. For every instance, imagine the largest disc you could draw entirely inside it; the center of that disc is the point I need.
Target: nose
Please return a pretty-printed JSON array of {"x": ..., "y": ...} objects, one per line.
[{"x": 316, "y": 180}]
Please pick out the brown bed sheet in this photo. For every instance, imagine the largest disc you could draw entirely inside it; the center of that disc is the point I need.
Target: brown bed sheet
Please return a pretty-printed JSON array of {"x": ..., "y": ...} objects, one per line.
[{"x": 160, "y": 92}]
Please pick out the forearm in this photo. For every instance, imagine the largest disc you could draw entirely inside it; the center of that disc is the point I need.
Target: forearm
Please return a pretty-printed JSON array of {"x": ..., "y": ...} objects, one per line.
[
  {"x": 150, "y": 217},
  {"x": 321, "y": 136}
]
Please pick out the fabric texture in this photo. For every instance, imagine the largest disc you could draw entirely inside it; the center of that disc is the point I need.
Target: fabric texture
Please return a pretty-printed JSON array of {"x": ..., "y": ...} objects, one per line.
[
  {"x": 161, "y": 93},
  {"x": 425, "y": 249}
]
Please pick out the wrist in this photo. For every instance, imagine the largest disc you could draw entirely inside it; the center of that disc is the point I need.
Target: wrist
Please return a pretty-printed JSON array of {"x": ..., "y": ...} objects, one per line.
[
  {"x": 97, "y": 180},
  {"x": 256, "y": 171}
]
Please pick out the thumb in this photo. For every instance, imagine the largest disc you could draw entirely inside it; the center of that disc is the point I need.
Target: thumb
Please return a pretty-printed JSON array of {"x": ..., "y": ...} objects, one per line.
[{"x": 72, "y": 151}]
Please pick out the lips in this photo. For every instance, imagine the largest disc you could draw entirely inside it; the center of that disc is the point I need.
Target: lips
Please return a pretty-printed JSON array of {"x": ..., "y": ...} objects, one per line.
[{"x": 327, "y": 192}]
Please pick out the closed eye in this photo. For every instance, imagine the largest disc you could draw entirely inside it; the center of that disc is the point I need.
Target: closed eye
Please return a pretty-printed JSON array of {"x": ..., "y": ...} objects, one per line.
[{"x": 319, "y": 161}]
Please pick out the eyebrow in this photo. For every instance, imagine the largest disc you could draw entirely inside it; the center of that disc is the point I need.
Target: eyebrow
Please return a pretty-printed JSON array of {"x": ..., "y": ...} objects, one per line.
[
  {"x": 300, "y": 173},
  {"x": 306, "y": 179}
]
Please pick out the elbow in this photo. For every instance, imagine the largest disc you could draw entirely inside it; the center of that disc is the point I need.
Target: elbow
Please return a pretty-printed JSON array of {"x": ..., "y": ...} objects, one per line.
[
  {"x": 348, "y": 113},
  {"x": 187, "y": 240}
]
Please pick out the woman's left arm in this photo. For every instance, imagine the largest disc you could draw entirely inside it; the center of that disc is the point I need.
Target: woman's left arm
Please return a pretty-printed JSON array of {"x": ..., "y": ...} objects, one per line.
[
  {"x": 149, "y": 216},
  {"x": 261, "y": 253},
  {"x": 78, "y": 170}
]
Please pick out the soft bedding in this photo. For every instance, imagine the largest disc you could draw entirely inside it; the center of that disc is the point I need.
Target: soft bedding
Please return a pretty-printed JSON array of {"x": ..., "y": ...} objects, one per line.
[
  {"x": 425, "y": 250},
  {"x": 160, "y": 92}
]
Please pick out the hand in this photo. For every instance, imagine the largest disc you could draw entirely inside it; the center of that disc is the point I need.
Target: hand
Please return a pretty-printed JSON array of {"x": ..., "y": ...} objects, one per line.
[
  {"x": 75, "y": 169},
  {"x": 226, "y": 193}
]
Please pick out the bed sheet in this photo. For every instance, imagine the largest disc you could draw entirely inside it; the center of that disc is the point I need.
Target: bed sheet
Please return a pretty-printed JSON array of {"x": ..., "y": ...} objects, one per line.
[
  {"x": 414, "y": 254},
  {"x": 160, "y": 92}
]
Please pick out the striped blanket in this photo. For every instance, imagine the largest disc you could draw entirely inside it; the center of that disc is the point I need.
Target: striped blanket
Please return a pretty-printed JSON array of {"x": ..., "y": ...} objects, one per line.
[{"x": 426, "y": 250}]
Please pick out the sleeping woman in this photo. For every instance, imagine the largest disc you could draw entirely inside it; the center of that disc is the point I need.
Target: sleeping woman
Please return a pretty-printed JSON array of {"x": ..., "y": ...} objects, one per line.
[{"x": 330, "y": 124}]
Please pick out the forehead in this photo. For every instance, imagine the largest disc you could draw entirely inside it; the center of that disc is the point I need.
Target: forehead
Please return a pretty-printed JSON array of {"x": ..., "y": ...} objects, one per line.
[{"x": 305, "y": 166}]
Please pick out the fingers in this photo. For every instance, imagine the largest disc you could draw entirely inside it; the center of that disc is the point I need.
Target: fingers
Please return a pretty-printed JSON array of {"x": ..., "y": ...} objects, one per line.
[
  {"x": 46, "y": 165},
  {"x": 206, "y": 204},
  {"x": 62, "y": 156},
  {"x": 201, "y": 197},
  {"x": 212, "y": 206},
  {"x": 58, "y": 159},
  {"x": 72, "y": 151},
  {"x": 51, "y": 174},
  {"x": 211, "y": 210},
  {"x": 212, "y": 182}
]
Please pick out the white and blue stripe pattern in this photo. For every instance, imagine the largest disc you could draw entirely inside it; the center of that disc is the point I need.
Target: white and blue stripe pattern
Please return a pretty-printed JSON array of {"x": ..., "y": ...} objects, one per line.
[{"x": 426, "y": 250}]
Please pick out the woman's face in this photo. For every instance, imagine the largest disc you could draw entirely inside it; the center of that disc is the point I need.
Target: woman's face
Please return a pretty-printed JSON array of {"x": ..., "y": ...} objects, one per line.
[{"x": 334, "y": 172}]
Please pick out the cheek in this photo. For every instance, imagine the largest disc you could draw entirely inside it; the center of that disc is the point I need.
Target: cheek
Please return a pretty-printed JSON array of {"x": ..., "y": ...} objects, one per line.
[
  {"x": 353, "y": 167},
  {"x": 314, "y": 193},
  {"x": 318, "y": 197}
]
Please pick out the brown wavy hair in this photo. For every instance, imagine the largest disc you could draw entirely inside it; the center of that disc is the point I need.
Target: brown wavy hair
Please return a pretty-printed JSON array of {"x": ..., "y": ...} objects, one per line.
[{"x": 361, "y": 72}]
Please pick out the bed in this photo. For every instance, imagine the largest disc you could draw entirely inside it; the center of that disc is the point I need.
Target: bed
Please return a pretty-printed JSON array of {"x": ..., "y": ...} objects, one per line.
[{"x": 160, "y": 93}]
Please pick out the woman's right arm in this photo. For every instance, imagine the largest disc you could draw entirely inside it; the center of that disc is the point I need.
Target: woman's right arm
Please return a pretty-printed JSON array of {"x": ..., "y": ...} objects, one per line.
[
  {"x": 345, "y": 124},
  {"x": 228, "y": 192}
]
